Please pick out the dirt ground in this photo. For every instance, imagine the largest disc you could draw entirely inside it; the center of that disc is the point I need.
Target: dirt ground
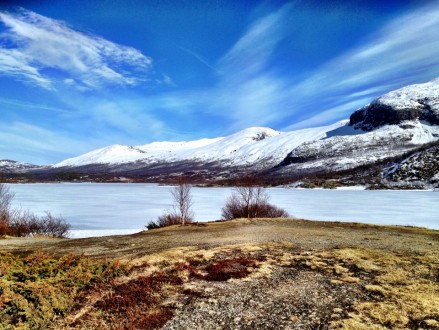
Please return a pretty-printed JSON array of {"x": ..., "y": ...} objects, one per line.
[
  {"x": 304, "y": 234},
  {"x": 260, "y": 274}
]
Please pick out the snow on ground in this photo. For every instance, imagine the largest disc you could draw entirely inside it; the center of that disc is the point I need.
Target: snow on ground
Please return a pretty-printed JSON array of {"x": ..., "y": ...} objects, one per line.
[
  {"x": 351, "y": 188},
  {"x": 83, "y": 233},
  {"x": 409, "y": 96}
]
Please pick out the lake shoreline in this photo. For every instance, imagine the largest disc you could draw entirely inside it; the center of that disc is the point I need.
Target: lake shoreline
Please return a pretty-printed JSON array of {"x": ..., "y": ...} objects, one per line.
[
  {"x": 97, "y": 207},
  {"x": 356, "y": 187}
]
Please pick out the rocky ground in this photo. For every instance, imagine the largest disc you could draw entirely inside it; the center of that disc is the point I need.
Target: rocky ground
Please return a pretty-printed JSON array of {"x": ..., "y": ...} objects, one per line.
[{"x": 259, "y": 274}]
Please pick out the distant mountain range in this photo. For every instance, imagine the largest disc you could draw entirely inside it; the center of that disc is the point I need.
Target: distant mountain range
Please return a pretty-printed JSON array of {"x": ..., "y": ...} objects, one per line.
[
  {"x": 9, "y": 166},
  {"x": 390, "y": 128}
]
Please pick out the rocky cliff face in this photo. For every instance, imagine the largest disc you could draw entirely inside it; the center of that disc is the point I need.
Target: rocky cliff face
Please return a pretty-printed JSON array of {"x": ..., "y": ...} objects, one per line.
[
  {"x": 423, "y": 166},
  {"x": 392, "y": 125},
  {"x": 415, "y": 102}
]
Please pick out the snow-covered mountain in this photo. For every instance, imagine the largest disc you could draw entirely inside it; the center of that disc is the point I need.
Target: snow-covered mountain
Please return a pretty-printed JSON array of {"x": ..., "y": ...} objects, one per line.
[
  {"x": 349, "y": 148},
  {"x": 390, "y": 126},
  {"x": 257, "y": 146},
  {"x": 418, "y": 102},
  {"x": 9, "y": 166}
]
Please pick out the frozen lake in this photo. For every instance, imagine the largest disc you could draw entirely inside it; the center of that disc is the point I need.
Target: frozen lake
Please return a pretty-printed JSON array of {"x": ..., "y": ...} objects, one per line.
[{"x": 95, "y": 209}]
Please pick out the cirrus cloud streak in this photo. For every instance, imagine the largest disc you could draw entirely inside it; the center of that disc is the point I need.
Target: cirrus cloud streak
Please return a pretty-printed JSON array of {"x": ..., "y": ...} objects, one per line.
[{"x": 32, "y": 45}]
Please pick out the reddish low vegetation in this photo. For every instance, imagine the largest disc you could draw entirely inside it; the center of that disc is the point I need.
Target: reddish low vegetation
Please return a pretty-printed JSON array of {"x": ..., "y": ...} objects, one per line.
[
  {"x": 223, "y": 270},
  {"x": 139, "y": 303},
  {"x": 134, "y": 303}
]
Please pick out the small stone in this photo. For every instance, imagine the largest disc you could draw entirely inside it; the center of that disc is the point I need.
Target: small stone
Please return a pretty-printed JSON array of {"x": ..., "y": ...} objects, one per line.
[
  {"x": 432, "y": 323},
  {"x": 294, "y": 318},
  {"x": 349, "y": 279},
  {"x": 337, "y": 310}
]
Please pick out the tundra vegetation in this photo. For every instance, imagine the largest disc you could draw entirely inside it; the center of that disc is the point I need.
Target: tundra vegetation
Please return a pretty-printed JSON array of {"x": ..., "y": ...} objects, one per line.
[{"x": 247, "y": 273}]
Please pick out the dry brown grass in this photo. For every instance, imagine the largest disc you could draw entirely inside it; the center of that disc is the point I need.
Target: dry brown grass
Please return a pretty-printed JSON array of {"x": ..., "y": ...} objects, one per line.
[{"x": 405, "y": 288}]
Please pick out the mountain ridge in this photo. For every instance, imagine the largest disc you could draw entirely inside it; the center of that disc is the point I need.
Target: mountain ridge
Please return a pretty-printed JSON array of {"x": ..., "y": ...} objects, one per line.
[
  {"x": 392, "y": 125},
  {"x": 242, "y": 148}
]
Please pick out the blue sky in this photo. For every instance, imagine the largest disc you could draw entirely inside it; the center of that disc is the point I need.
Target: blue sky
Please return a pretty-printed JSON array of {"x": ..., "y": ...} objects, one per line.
[{"x": 80, "y": 75}]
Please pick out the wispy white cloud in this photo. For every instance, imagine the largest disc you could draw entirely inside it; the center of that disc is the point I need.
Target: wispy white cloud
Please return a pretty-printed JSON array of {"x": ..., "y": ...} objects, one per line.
[
  {"x": 96, "y": 125},
  {"x": 330, "y": 115},
  {"x": 252, "y": 52},
  {"x": 31, "y": 43},
  {"x": 33, "y": 143},
  {"x": 16, "y": 64},
  {"x": 30, "y": 105},
  {"x": 127, "y": 117},
  {"x": 405, "y": 51},
  {"x": 200, "y": 59},
  {"x": 246, "y": 93},
  {"x": 250, "y": 91}
]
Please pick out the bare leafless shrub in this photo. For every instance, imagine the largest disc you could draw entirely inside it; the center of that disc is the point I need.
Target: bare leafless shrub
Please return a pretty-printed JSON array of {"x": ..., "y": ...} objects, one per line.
[
  {"x": 167, "y": 219},
  {"x": 28, "y": 224},
  {"x": 234, "y": 209},
  {"x": 152, "y": 224},
  {"x": 54, "y": 226},
  {"x": 250, "y": 201},
  {"x": 21, "y": 223}
]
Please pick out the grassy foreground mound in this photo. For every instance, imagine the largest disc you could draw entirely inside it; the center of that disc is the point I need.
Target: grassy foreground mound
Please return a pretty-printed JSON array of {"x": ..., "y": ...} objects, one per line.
[{"x": 258, "y": 274}]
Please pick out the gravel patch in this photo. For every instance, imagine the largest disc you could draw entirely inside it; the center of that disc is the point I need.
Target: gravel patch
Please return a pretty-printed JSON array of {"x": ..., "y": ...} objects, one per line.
[{"x": 288, "y": 299}]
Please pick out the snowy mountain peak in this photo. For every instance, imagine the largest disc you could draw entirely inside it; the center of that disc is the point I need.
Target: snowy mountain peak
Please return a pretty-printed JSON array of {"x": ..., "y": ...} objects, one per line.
[
  {"x": 414, "y": 102},
  {"x": 103, "y": 156},
  {"x": 255, "y": 133},
  {"x": 245, "y": 147},
  {"x": 391, "y": 125}
]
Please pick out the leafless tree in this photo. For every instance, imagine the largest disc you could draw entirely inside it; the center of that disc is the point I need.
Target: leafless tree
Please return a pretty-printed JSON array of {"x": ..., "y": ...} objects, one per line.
[
  {"x": 6, "y": 197},
  {"x": 182, "y": 197}
]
